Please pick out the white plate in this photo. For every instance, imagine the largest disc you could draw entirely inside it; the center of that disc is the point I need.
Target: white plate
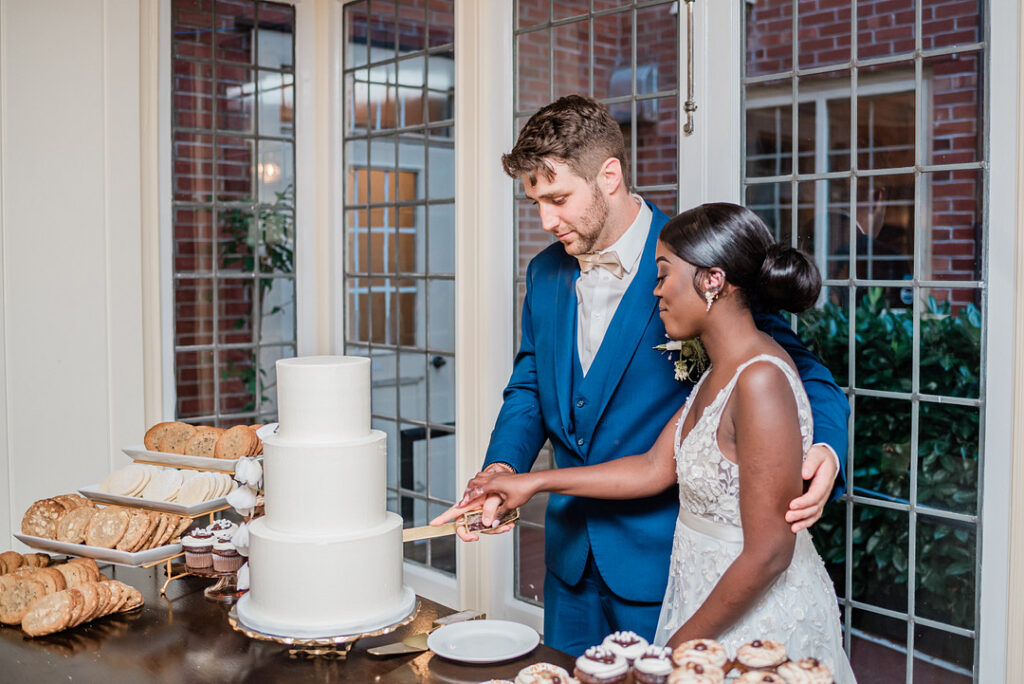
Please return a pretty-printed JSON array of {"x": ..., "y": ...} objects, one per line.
[
  {"x": 483, "y": 641},
  {"x": 110, "y": 555},
  {"x": 141, "y": 453},
  {"x": 93, "y": 492}
]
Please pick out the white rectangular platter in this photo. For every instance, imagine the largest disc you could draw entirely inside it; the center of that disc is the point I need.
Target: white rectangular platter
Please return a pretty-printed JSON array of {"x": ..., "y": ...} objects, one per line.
[
  {"x": 109, "y": 555},
  {"x": 141, "y": 453},
  {"x": 93, "y": 492}
]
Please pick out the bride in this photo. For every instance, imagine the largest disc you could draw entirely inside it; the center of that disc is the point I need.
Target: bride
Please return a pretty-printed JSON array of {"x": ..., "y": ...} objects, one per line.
[{"x": 737, "y": 571}]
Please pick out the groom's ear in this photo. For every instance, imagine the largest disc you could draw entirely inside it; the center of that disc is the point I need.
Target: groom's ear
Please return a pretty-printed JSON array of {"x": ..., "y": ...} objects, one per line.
[{"x": 609, "y": 176}]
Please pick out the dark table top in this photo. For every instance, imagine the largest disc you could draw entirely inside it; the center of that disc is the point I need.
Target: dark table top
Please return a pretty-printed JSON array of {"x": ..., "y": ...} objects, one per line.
[{"x": 184, "y": 637}]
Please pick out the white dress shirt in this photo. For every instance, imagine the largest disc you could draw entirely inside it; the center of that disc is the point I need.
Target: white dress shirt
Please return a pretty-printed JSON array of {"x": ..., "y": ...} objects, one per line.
[{"x": 598, "y": 292}]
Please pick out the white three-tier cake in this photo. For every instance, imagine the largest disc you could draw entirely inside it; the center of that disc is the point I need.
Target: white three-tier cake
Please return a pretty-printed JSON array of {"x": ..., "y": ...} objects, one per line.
[{"x": 326, "y": 559}]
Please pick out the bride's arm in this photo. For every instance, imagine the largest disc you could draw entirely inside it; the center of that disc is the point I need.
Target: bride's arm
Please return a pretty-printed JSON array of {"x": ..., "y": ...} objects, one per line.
[
  {"x": 768, "y": 450},
  {"x": 629, "y": 477}
]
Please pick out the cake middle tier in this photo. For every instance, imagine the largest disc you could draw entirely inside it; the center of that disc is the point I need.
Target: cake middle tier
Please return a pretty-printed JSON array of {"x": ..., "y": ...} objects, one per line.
[{"x": 325, "y": 489}]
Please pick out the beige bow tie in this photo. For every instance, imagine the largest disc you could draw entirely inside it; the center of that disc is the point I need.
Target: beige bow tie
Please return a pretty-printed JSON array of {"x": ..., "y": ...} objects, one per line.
[{"x": 606, "y": 260}]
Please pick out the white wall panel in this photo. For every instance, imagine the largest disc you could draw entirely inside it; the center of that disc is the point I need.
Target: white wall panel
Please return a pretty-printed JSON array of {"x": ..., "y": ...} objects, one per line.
[{"x": 69, "y": 157}]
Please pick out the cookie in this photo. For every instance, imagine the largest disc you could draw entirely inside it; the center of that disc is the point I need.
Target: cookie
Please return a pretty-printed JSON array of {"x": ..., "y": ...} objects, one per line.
[
  {"x": 152, "y": 520},
  {"x": 89, "y": 565},
  {"x": 176, "y": 437},
  {"x": 52, "y": 579},
  {"x": 133, "y": 601},
  {"x": 195, "y": 490},
  {"x": 48, "y": 615},
  {"x": 36, "y": 560},
  {"x": 184, "y": 522},
  {"x": 156, "y": 433},
  {"x": 41, "y": 518},
  {"x": 138, "y": 523},
  {"x": 203, "y": 442},
  {"x": 107, "y": 527},
  {"x": 15, "y": 602},
  {"x": 236, "y": 442},
  {"x": 91, "y": 600},
  {"x": 73, "y": 525},
  {"x": 10, "y": 561}
]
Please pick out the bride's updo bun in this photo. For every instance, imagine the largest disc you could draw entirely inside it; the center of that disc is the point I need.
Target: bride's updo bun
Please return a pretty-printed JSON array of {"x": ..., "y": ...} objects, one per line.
[{"x": 772, "y": 276}]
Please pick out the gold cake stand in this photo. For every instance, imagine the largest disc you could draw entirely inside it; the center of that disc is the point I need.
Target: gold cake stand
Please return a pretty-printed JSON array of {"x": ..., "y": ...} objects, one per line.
[{"x": 335, "y": 647}]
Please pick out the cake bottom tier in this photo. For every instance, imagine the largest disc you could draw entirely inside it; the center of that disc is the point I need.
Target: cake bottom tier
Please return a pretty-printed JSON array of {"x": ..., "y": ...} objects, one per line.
[{"x": 313, "y": 586}]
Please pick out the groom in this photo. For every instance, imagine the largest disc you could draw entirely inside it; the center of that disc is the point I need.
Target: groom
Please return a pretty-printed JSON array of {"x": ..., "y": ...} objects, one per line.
[{"x": 588, "y": 379}]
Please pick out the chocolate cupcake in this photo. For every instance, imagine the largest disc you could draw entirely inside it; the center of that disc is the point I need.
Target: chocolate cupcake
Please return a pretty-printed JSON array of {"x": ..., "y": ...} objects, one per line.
[
  {"x": 601, "y": 665},
  {"x": 222, "y": 529},
  {"x": 653, "y": 665},
  {"x": 806, "y": 671},
  {"x": 697, "y": 673},
  {"x": 706, "y": 651},
  {"x": 225, "y": 557},
  {"x": 627, "y": 644},
  {"x": 760, "y": 654},
  {"x": 198, "y": 545},
  {"x": 543, "y": 673}
]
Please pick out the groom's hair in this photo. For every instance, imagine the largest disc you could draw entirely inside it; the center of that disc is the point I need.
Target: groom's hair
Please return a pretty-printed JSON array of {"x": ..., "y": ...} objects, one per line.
[{"x": 576, "y": 130}]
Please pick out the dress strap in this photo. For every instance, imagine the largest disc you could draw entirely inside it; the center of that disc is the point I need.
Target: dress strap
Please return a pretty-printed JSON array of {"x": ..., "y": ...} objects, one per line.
[{"x": 803, "y": 405}]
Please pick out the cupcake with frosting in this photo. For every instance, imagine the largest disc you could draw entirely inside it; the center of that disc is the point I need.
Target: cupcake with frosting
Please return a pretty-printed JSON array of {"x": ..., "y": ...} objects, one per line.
[
  {"x": 760, "y": 677},
  {"x": 705, "y": 651},
  {"x": 544, "y": 673},
  {"x": 601, "y": 665},
  {"x": 222, "y": 529},
  {"x": 225, "y": 557},
  {"x": 198, "y": 546},
  {"x": 760, "y": 654},
  {"x": 806, "y": 671},
  {"x": 653, "y": 665},
  {"x": 627, "y": 644},
  {"x": 697, "y": 673}
]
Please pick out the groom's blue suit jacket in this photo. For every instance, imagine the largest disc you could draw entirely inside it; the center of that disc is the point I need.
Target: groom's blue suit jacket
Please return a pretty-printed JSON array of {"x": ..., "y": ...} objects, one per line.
[{"x": 619, "y": 408}]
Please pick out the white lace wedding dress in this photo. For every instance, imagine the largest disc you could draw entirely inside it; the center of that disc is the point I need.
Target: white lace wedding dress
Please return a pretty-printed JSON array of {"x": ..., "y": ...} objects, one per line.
[{"x": 799, "y": 609}]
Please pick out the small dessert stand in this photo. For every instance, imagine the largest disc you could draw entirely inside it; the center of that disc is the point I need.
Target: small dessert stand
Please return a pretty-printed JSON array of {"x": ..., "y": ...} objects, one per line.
[{"x": 335, "y": 647}]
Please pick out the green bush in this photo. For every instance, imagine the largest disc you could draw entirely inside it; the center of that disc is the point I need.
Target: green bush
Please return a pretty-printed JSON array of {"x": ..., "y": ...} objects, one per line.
[{"x": 947, "y": 455}]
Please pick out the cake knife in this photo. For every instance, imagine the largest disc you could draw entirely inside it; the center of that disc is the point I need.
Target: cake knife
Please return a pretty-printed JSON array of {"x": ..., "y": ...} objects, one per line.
[{"x": 471, "y": 520}]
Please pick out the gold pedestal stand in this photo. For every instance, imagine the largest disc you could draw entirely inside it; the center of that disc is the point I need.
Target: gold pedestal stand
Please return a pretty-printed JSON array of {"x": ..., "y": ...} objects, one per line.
[{"x": 335, "y": 648}]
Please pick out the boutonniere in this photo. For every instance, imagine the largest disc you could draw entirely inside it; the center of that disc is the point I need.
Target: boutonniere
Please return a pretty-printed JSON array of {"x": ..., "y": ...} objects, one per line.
[{"x": 692, "y": 360}]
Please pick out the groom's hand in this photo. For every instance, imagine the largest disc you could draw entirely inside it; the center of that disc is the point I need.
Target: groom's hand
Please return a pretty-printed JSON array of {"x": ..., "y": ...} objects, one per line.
[
  {"x": 474, "y": 500},
  {"x": 820, "y": 468}
]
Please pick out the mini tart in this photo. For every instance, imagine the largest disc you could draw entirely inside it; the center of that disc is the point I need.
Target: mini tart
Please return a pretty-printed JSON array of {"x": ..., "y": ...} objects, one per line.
[
  {"x": 653, "y": 665},
  {"x": 601, "y": 665},
  {"x": 806, "y": 671},
  {"x": 627, "y": 644},
  {"x": 706, "y": 651},
  {"x": 697, "y": 673},
  {"x": 543, "y": 673},
  {"x": 760, "y": 654},
  {"x": 760, "y": 677}
]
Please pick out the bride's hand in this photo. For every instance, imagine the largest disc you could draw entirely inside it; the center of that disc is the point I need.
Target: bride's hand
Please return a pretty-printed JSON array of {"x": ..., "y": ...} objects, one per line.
[{"x": 512, "y": 491}]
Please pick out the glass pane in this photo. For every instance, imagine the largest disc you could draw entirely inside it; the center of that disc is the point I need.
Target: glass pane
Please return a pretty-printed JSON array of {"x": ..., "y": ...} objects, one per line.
[
  {"x": 880, "y": 558},
  {"x": 235, "y": 168},
  {"x": 529, "y": 542},
  {"x": 442, "y": 238},
  {"x": 410, "y": 298},
  {"x": 441, "y": 294},
  {"x": 275, "y": 170},
  {"x": 957, "y": 218},
  {"x": 442, "y": 468},
  {"x": 383, "y": 303},
  {"x": 946, "y": 561},
  {"x": 193, "y": 311},
  {"x": 277, "y": 303},
  {"x": 389, "y": 427},
  {"x": 881, "y": 451},
  {"x": 613, "y": 60},
  {"x": 357, "y": 243},
  {"x": 885, "y": 29},
  {"x": 237, "y": 369},
  {"x": 234, "y": 25},
  {"x": 441, "y": 171},
  {"x": 825, "y": 331},
  {"x": 441, "y": 87},
  {"x": 412, "y": 29},
  {"x": 951, "y": 342},
  {"x": 193, "y": 167},
  {"x": 657, "y": 142},
  {"x": 193, "y": 239},
  {"x": 570, "y": 43},
  {"x": 774, "y": 204},
  {"x": 384, "y": 395},
  {"x": 277, "y": 234},
  {"x": 441, "y": 20},
  {"x": 880, "y": 655},
  {"x": 532, "y": 239},
  {"x": 234, "y": 311},
  {"x": 885, "y": 231},
  {"x": 236, "y": 93},
  {"x": 382, "y": 29},
  {"x": 268, "y": 375},
  {"x": 356, "y": 31},
  {"x": 442, "y": 552},
  {"x": 564, "y": 9},
  {"x": 236, "y": 240},
  {"x": 412, "y": 241},
  {"x": 769, "y": 31},
  {"x": 191, "y": 25},
  {"x": 441, "y": 402},
  {"x": 947, "y": 23},
  {"x": 947, "y": 452},
  {"x": 382, "y": 96},
  {"x": 357, "y": 105},
  {"x": 951, "y": 658},
  {"x": 666, "y": 200},
  {"x": 413, "y": 395},
  {"x": 532, "y": 70},
  {"x": 277, "y": 104},
  {"x": 657, "y": 45},
  {"x": 193, "y": 94},
  {"x": 824, "y": 35},
  {"x": 357, "y": 308},
  {"x": 194, "y": 383},
  {"x": 277, "y": 35},
  {"x": 532, "y": 12},
  {"x": 769, "y": 129},
  {"x": 885, "y": 130}
]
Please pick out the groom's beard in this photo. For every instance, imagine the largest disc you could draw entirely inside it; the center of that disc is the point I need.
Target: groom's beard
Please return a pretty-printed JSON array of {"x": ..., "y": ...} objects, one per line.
[{"x": 591, "y": 225}]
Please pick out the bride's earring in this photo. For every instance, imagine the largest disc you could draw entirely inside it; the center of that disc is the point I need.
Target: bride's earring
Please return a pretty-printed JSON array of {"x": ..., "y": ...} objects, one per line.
[{"x": 710, "y": 298}]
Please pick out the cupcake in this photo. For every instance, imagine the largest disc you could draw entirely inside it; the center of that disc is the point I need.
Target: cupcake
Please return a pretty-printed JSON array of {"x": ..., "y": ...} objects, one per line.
[
  {"x": 225, "y": 557},
  {"x": 629, "y": 645},
  {"x": 697, "y": 673},
  {"x": 707, "y": 651},
  {"x": 222, "y": 529},
  {"x": 543, "y": 673},
  {"x": 653, "y": 665},
  {"x": 198, "y": 545},
  {"x": 601, "y": 665},
  {"x": 760, "y": 654},
  {"x": 759, "y": 677},
  {"x": 806, "y": 671}
]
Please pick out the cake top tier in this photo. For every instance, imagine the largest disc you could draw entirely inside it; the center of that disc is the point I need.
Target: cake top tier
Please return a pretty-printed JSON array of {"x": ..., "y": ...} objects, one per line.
[{"x": 323, "y": 399}]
